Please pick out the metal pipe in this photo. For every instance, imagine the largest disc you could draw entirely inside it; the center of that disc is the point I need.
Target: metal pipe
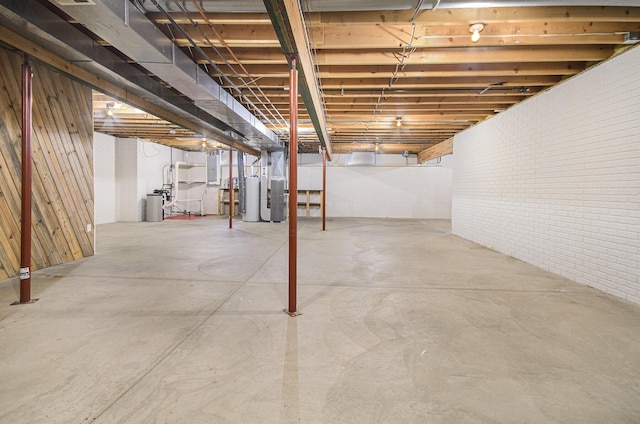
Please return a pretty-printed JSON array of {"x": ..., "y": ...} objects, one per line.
[
  {"x": 293, "y": 189},
  {"x": 25, "y": 228},
  {"x": 324, "y": 190},
  {"x": 230, "y": 187},
  {"x": 242, "y": 208}
]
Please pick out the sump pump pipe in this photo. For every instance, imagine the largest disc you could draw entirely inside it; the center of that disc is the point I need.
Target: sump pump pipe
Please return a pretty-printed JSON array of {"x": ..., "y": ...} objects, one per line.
[{"x": 176, "y": 183}]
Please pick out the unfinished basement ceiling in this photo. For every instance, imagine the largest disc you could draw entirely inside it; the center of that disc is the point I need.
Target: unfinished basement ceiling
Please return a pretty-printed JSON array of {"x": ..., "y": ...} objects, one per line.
[
  {"x": 395, "y": 76},
  {"x": 379, "y": 67},
  {"x": 114, "y": 117}
]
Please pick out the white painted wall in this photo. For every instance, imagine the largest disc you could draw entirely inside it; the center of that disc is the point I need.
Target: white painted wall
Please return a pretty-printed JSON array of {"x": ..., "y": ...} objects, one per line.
[
  {"x": 151, "y": 158},
  {"x": 104, "y": 151},
  {"x": 555, "y": 181},
  {"x": 192, "y": 192},
  {"x": 396, "y": 187},
  {"x": 137, "y": 171},
  {"x": 126, "y": 170},
  {"x": 126, "y": 166}
]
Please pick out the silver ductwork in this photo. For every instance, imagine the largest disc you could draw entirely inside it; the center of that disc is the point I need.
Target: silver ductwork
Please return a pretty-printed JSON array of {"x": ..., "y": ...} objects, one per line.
[
  {"x": 44, "y": 27},
  {"x": 121, "y": 24}
]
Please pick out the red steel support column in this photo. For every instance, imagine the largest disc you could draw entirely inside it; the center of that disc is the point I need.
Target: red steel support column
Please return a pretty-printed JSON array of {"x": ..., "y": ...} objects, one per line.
[
  {"x": 230, "y": 187},
  {"x": 293, "y": 189},
  {"x": 25, "y": 228},
  {"x": 324, "y": 190}
]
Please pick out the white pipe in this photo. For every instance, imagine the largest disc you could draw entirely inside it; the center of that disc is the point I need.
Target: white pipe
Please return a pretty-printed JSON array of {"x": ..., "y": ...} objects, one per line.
[
  {"x": 176, "y": 182},
  {"x": 165, "y": 174}
]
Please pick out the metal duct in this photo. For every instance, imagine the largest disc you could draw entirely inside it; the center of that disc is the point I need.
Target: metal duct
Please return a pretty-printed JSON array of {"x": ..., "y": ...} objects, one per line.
[
  {"x": 121, "y": 24},
  {"x": 44, "y": 27},
  {"x": 362, "y": 159},
  {"x": 241, "y": 184}
]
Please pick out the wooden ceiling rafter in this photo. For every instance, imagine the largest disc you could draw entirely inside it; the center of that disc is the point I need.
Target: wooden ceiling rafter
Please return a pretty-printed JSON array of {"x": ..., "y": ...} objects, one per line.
[{"x": 445, "y": 82}]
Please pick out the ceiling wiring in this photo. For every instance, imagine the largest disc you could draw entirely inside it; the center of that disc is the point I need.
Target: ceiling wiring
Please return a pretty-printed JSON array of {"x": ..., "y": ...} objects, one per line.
[
  {"x": 211, "y": 63},
  {"x": 237, "y": 61}
]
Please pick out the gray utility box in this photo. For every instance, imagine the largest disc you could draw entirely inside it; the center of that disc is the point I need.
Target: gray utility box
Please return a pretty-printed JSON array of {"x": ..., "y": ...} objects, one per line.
[
  {"x": 277, "y": 199},
  {"x": 212, "y": 169},
  {"x": 154, "y": 207}
]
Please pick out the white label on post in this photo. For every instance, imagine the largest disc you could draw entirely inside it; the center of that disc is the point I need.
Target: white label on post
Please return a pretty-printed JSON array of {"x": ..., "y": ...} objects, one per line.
[{"x": 24, "y": 273}]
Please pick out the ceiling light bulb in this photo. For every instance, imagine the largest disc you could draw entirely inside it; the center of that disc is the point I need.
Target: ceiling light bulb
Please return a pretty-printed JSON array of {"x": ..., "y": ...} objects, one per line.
[
  {"x": 398, "y": 122},
  {"x": 109, "y": 112},
  {"x": 475, "y": 29}
]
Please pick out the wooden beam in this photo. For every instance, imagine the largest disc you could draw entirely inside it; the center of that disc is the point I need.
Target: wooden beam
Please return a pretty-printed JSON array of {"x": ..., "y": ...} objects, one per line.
[
  {"x": 426, "y": 56},
  {"x": 420, "y": 101},
  {"x": 437, "y": 116},
  {"x": 519, "y": 15},
  {"x": 369, "y": 146},
  {"x": 435, "y": 94},
  {"x": 418, "y": 83},
  {"x": 420, "y": 70},
  {"x": 486, "y": 15},
  {"x": 296, "y": 20},
  {"x": 289, "y": 25},
  {"x": 384, "y": 37},
  {"x": 439, "y": 150}
]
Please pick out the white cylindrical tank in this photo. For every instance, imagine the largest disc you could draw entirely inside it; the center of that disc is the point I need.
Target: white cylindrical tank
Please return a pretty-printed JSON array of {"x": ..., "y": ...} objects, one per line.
[{"x": 252, "y": 204}]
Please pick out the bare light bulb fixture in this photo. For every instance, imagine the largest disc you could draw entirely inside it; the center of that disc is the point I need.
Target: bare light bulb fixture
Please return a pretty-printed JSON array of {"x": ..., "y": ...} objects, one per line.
[
  {"x": 398, "y": 122},
  {"x": 475, "y": 30},
  {"x": 110, "y": 109}
]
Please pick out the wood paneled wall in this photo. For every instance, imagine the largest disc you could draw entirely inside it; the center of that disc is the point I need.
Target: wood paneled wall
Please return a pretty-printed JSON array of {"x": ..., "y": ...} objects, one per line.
[{"x": 62, "y": 167}]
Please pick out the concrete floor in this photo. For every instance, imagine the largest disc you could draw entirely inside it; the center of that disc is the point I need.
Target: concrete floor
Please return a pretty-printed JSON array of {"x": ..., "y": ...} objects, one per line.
[{"x": 181, "y": 322}]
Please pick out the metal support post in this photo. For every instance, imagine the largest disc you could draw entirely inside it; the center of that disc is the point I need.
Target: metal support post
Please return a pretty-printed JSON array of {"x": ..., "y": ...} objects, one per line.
[
  {"x": 25, "y": 222},
  {"x": 323, "y": 201},
  {"x": 293, "y": 189},
  {"x": 231, "y": 187}
]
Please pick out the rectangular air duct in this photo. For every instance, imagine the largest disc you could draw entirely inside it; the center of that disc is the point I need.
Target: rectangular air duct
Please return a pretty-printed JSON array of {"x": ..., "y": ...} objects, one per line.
[{"x": 363, "y": 159}]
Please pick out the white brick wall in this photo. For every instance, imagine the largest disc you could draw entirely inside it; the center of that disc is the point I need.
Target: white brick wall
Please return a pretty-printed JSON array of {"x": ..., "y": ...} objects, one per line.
[{"x": 555, "y": 181}]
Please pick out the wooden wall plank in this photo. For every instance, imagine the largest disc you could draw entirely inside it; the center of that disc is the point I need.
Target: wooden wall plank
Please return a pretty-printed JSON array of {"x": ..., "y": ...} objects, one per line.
[
  {"x": 57, "y": 144},
  {"x": 63, "y": 197},
  {"x": 439, "y": 150},
  {"x": 9, "y": 184}
]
